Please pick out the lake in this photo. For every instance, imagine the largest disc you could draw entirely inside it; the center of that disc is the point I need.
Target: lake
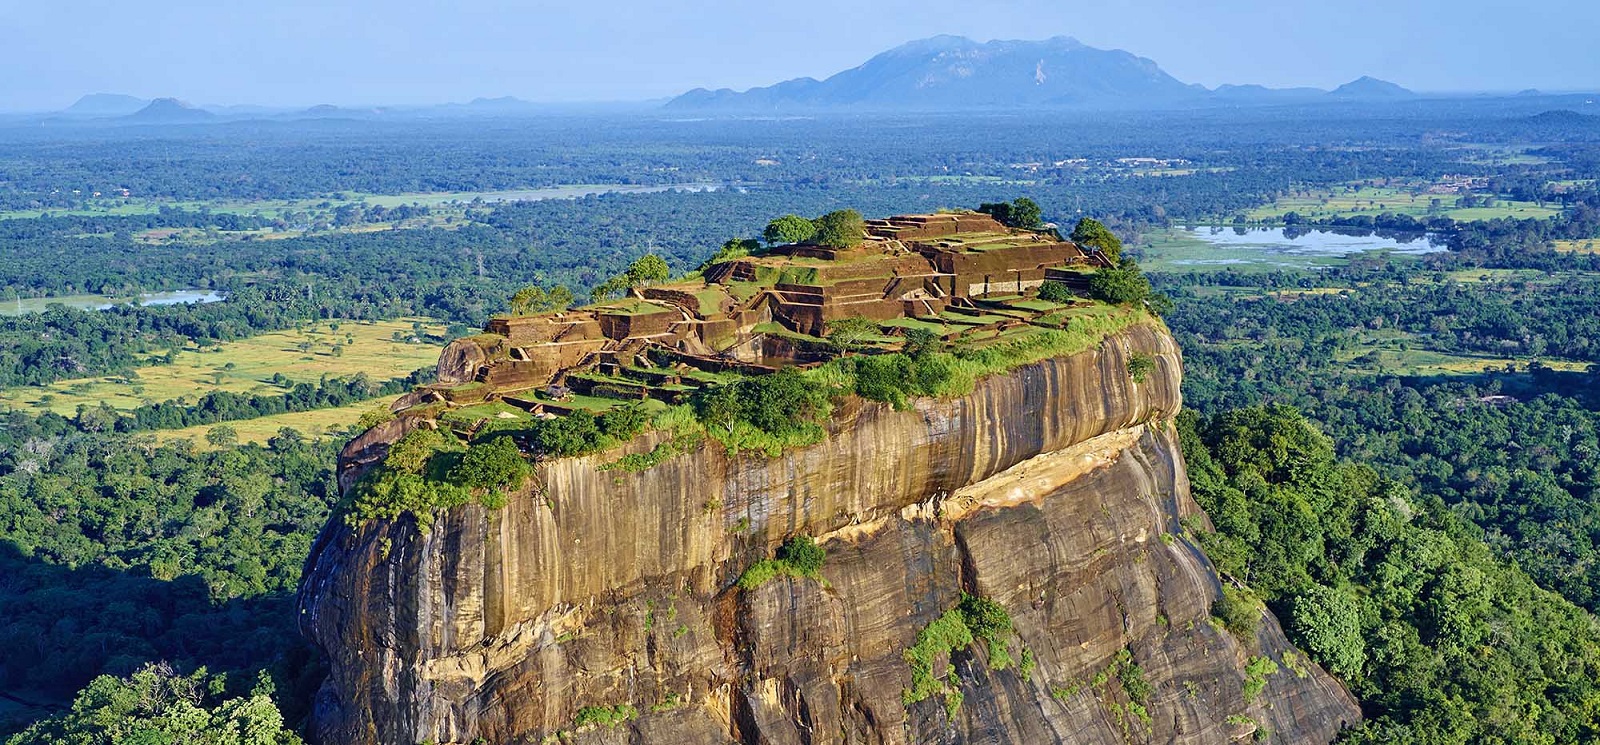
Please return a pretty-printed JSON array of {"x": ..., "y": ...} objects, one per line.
[
  {"x": 102, "y": 302},
  {"x": 1205, "y": 248}
]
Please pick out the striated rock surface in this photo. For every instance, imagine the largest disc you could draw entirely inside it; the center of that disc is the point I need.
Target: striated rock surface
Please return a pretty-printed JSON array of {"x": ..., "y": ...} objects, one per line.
[{"x": 1056, "y": 491}]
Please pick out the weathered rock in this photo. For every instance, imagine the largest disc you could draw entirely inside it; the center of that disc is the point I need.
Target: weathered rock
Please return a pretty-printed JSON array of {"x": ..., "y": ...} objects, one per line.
[{"x": 1056, "y": 490}]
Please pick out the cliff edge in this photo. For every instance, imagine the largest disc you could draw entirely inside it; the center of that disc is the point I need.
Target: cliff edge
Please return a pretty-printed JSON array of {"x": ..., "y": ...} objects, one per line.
[{"x": 602, "y": 606}]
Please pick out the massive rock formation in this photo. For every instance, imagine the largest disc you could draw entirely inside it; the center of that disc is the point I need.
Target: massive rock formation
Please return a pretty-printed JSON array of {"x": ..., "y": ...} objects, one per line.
[{"x": 1057, "y": 491}]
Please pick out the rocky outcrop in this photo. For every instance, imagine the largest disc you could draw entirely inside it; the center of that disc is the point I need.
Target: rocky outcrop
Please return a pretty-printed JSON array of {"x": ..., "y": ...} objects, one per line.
[{"x": 1057, "y": 491}]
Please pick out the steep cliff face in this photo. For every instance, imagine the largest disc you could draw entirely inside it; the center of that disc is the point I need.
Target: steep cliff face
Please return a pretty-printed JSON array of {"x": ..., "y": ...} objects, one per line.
[{"x": 1056, "y": 491}]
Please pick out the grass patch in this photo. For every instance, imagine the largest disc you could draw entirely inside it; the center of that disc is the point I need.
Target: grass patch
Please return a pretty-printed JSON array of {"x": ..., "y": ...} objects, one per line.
[
  {"x": 315, "y": 423},
  {"x": 248, "y": 365}
]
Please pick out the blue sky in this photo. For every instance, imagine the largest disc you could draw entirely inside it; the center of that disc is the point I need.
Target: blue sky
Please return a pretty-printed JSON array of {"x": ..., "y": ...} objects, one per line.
[{"x": 299, "y": 52}]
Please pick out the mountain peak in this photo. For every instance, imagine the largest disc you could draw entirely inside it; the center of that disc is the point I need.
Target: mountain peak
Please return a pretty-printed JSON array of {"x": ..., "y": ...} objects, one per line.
[
  {"x": 1370, "y": 87},
  {"x": 106, "y": 104},
  {"x": 171, "y": 110},
  {"x": 942, "y": 72}
]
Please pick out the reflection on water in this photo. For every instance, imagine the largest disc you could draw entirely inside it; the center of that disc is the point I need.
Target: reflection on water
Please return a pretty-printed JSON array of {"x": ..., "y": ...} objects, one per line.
[
  {"x": 173, "y": 297},
  {"x": 1315, "y": 241},
  {"x": 21, "y": 306}
]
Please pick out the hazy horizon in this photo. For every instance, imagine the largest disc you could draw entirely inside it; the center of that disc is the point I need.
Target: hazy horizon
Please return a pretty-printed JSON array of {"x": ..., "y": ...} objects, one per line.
[{"x": 361, "y": 53}]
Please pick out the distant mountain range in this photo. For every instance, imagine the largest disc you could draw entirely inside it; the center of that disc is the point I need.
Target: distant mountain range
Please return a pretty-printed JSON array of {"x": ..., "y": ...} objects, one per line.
[
  {"x": 943, "y": 73},
  {"x": 953, "y": 72},
  {"x": 106, "y": 104}
]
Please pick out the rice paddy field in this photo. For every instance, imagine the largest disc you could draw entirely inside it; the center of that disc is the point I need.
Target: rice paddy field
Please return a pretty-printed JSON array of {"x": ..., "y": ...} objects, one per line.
[{"x": 381, "y": 349}]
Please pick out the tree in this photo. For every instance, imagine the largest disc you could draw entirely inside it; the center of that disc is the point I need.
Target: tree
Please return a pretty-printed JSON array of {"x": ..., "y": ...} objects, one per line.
[
  {"x": 734, "y": 248},
  {"x": 609, "y": 289},
  {"x": 789, "y": 229},
  {"x": 157, "y": 705},
  {"x": 1090, "y": 232},
  {"x": 920, "y": 343},
  {"x": 1021, "y": 213},
  {"x": 222, "y": 436},
  {"x": 526, "y": 299},
  {"x": 1126, "y": 285},
  {"x": 647, "y": 270},
  {"x": 841, "y": 229},
  {"x": 1327, "y": 623},
  {"x": 848, "y": 333}
]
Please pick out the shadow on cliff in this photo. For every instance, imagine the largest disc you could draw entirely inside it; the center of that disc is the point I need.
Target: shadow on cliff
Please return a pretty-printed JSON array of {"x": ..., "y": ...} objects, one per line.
[{"x": 60, "y": 627}]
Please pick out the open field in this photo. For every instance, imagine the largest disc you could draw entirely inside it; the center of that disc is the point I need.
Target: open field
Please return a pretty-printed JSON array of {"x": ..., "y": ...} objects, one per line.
[
  {"x": 1586, "y": 246},
  {"x": 248, "y": 365},
  {"x": 312, "y": 424},
  {"x": 116, "y": 205},
  {"x": 1373, "y": 200},
  {"x": 1397, "y": 352}
]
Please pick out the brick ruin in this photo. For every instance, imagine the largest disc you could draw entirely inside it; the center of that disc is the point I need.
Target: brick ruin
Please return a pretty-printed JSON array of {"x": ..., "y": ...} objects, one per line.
[{"x": 961, "y": 271}]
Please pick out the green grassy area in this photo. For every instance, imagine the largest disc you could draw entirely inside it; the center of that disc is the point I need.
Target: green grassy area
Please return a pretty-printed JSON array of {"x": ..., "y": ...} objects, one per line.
[
  {"x": 1586, "y": 246},
  {"x": 248, "y": 365},
  {"x": 309, "y": 423},
  {"x": 1374, "y": 200},
  {"x": 1399, "y": 353}
]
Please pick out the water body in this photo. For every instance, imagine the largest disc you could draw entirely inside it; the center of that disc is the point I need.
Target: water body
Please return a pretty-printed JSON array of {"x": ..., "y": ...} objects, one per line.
[
  {"x": 102, "y": 302},
  {"x": 1197, "y": 247}
]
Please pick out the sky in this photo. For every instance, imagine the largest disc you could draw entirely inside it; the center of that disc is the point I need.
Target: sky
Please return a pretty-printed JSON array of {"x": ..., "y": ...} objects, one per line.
[{"x": 367, "y": 52}]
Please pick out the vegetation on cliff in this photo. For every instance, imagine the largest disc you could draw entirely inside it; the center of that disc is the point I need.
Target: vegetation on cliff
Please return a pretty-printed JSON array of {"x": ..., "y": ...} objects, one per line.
[
  {"x": 799, "y": 556},
  {"x": 974, "y": 619},
  {"x": 1440, "y": 640}
]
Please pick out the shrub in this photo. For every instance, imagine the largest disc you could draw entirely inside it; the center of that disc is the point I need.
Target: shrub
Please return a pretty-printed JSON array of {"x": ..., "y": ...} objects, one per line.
[
  {"x": 736, "y": 248},
  {"x": 803, "y": 553},
  {"x": 1255, "y": 676},
  {"x": 883, "y": 378},
  {"x": 799, "y": 556},
  {"x": 623, "y": 422},
  {"x": 1139, "y": 366},
  {"x": 609, "y": 716},
  {"x": 495, "y": 464},
  {"x": 573, "y": 434},
  {"x": 411, "y": 453},
  {"x": 1056, "y": 292}
]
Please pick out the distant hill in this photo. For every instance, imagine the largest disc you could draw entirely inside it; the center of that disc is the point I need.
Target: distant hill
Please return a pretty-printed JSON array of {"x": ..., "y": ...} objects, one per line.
[
  {"x": 1369, "y": 88},
  {"x": 106, "y": 104},
  {"x": 169, "y": 111},
  {"x": 953, "y": 73},
  {"x": 956, "y": 72}
]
